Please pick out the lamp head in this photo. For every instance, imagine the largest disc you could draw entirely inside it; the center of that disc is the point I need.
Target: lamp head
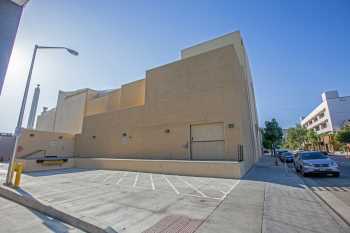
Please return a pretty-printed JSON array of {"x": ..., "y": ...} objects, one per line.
[{"x": 73, "y": 52}]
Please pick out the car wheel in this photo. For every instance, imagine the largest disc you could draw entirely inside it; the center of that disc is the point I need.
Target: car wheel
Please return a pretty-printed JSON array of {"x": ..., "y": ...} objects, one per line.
[{"x": 296, "y": 168}]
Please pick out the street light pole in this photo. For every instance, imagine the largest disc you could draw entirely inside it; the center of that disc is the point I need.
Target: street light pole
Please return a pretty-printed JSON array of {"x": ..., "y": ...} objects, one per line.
[{"x": 23, "y": 106}]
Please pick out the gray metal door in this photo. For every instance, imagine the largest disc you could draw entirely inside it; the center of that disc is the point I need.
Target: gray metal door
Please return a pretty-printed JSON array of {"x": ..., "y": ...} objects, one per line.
[{"x": 207, "y": 141}]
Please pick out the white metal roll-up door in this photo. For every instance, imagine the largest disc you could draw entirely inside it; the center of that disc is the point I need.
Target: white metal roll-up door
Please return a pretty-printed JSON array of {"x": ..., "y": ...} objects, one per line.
[{"x": 207, "y": 141}]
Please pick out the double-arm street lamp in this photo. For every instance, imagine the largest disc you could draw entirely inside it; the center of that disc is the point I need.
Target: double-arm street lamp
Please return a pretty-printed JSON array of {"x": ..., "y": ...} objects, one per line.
[{"x": 24, "y": 100}]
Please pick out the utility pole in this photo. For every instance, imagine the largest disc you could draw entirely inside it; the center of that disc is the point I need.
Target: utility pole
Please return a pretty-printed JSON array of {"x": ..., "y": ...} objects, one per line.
[{"x": 33, "y": 108}]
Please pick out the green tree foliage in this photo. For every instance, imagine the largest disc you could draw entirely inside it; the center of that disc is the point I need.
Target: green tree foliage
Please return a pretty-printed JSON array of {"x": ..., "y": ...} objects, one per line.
[
  {"x": 313, "y": 139},
  {"x": 296, "y": 137},
  {"x": 343, "y": 137},
  {"x": 272, "y": 134}
]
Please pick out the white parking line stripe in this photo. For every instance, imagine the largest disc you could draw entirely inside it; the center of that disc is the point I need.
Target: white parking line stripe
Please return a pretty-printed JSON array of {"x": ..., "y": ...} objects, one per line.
[
  {"x": 171, "y": 185},
  {"x": 121, "y": 178},
  {"x": 198, "y": 196},
  {"x": 152, "y": 183},
  {"x": 233, "y": 186},
  {"x": 107, "y": 178},
  {"x": 193, "y": 187},
  {"x": 222, "y": 192},
  {"x": 136, "y": 178}
]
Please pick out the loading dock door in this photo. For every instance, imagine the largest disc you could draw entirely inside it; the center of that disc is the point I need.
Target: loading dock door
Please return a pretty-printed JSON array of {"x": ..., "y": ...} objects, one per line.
[{"x": 207, "y": 142}]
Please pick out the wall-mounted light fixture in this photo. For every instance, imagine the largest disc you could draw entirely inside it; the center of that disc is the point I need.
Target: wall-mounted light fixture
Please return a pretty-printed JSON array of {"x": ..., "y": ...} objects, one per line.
[
  {"x": 167, "y": 131},
  {"x": 31, "y": 135},
  {"x": 60, "y": 137},
  {"x": 124, "y": 134},
  {"x": 231, "y": 125},
  {"x": 94, "y": 137}
]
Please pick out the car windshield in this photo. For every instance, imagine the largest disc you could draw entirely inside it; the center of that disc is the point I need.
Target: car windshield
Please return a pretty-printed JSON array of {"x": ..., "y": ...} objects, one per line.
[
  {"x": 308, "y": 156},
  {"x": 287, "y": 154}
]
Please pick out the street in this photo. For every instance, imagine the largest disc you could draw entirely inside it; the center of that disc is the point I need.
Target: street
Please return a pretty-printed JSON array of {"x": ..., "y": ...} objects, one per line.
[
  {"x": 340, "y": 186},
  {"x": 334, "y": 190}
]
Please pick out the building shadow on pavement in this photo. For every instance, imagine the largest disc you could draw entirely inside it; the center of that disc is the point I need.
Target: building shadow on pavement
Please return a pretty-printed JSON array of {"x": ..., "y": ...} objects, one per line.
[
  {"x": 265, "y": 170},
  {"x": 57, "y": 172}
]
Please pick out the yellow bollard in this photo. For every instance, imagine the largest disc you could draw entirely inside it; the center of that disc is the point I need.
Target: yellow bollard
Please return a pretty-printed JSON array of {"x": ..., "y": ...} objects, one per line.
[{"x": 18, "y": 170}]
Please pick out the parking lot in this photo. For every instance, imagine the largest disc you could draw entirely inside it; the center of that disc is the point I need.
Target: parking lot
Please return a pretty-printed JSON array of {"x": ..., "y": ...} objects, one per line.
[{"x": 128, "y": 201}]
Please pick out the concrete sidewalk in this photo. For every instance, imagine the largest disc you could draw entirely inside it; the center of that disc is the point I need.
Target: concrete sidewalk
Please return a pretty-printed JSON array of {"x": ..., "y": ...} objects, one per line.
[
  {"x": 272, "y": 199},
  {"x": 15, "y": 218}
]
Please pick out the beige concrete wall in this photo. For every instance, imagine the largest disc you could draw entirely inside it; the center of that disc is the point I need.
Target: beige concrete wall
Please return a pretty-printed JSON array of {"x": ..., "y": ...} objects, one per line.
[
  {"x": 201, "y": 89},
  {"x": 30, "y": 165},
  {"x": 133, "y": 94},
  {"x": 152, "y": 118},
  {"x": 190, "y": 168},
  {"x": 111, "y": 100},
  {"x": 53, "y": 143},
  {"x": 114, "y": 100},
  {"x": 6, "y": 146},
  {"x": 45, "y": 121},
  {"x": 97, "y": 105},
  {"x": 233, "y": 38},
  {"x": 70, "y": 112},
  {"x": 251, "y": 131}
]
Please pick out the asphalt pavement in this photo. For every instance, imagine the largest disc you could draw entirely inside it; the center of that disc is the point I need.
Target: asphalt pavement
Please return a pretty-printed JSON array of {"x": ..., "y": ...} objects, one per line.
[
  {"x": 335, "y": 191},
  {"x": 268, "y": 199}
]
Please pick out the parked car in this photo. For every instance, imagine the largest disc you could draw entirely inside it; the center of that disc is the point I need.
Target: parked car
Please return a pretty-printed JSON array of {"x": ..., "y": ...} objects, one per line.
[
  {"x": 286, "y": 157},
  {"x": 281, "y": 151},
  {"x": 297, "y": 151},
  {"x": 315, "y": 162}
]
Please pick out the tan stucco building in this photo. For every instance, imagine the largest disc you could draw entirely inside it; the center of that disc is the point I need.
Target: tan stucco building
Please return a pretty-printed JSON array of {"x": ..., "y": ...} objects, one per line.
[{"x": 201, "y": 107}]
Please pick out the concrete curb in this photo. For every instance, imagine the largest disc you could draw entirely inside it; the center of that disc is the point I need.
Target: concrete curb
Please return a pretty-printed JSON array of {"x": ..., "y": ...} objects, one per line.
[
  {"x": 346, "y": 220},
  {"x": 30, "y": 202},
  {"x": 336, "y": 202}
]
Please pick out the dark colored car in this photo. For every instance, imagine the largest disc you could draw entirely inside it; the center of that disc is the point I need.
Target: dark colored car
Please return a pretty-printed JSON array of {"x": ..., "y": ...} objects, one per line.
[{"x": 286, "y": 157}]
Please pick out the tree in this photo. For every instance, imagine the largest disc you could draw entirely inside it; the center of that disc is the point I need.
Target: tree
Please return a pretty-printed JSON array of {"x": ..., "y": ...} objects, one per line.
[
  {"x": 343, "y": 137},
  {"x": 313, "y": 138},
  {"x": 272, "y": 134},
  {"x": 296, "y": 137}
]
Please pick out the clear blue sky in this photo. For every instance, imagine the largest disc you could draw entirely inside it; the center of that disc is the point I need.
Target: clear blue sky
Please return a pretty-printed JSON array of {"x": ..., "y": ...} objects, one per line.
[{"x": 297, "y": 49}]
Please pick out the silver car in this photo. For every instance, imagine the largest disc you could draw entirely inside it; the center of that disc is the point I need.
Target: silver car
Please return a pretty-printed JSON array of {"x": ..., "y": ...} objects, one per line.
[{"x": 313, "y": 162}]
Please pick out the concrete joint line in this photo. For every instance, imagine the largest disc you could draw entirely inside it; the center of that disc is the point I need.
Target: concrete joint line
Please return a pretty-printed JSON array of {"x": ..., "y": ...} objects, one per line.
[
  {"x": 34, "y": 204},
  {"x": 263, "y": 210}
]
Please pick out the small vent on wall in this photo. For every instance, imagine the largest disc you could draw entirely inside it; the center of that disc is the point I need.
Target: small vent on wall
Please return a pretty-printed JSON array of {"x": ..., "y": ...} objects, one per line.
[
  {"x": 31, "y": 135},
  {"x": 94, "y": 137},
  {"x": 60, "y": 137},
  {"x": 167, "y": 131}
]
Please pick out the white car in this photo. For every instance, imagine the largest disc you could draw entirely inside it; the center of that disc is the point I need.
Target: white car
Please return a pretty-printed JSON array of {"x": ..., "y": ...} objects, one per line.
[{"x": 315, "y": 162}]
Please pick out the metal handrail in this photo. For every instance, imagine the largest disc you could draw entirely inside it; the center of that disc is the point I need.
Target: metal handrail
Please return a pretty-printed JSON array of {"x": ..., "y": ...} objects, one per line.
[{"x": 32, "y": 153}]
